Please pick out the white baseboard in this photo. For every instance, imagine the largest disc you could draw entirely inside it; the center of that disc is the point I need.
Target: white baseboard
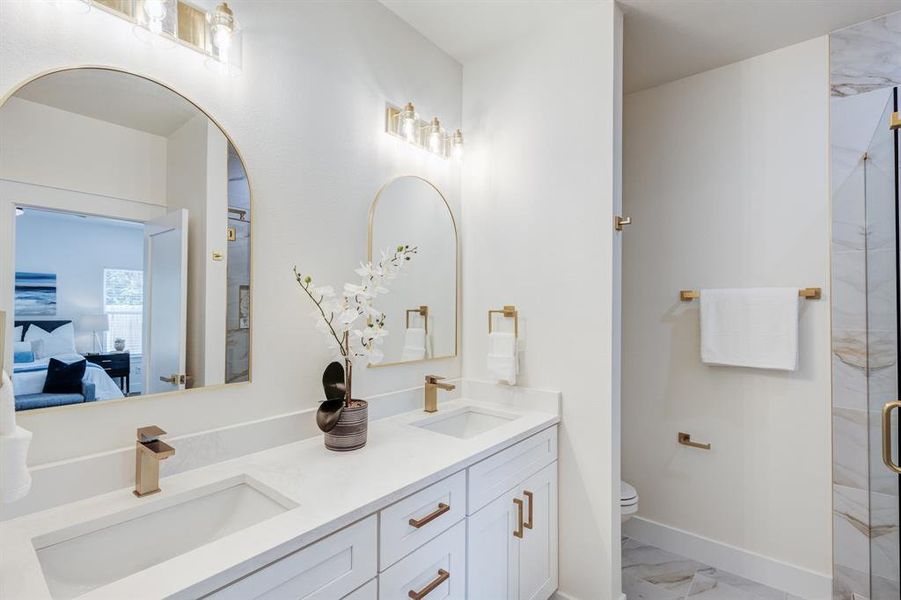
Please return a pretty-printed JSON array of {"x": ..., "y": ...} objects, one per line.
[{"x": 756, "y": 567}]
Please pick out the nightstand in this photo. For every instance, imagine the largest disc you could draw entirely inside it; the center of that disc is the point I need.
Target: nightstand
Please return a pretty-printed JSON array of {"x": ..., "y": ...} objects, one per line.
[{"x": 116, "y": 364}]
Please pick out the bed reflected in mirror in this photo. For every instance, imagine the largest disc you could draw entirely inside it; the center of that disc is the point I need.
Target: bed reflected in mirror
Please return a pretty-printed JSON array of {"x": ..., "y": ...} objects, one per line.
[{"x": 130, "y": 260}]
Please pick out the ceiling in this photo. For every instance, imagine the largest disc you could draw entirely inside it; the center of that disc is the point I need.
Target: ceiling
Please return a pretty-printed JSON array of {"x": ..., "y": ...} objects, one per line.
[
  {"x": 114, "y": 97},
  {"x": 664, "y": 40}
]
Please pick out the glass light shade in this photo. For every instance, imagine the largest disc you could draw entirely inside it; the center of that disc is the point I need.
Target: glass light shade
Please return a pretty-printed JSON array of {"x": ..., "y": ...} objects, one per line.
[
  {"x": 20, "y": 211},
  {"x": 157, "y": 16},
  {"x": 408, "y": 119},
  {"x": 226, "y": 40},
  {"x": 457, "y": 145},
  {"x": 435, "y": 136}
]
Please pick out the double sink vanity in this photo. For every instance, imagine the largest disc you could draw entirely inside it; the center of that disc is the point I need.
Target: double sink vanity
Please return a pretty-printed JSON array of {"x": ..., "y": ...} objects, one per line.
[{"x": 461, "y": 503}]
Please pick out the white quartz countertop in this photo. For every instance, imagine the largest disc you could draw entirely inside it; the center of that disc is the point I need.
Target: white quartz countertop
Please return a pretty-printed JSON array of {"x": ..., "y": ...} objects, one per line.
[{"x": 331, "y": 489}]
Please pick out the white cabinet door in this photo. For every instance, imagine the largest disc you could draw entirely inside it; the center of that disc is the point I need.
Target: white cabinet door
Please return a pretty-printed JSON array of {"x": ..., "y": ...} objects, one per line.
[
  {"x": 492, "y": 551},
  {"x": 538, "y": 546},
  {"x": 504, "y": 566}
]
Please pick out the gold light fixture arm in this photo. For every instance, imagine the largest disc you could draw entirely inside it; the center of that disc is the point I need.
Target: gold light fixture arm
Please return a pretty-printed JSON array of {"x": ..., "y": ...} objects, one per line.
[{"x": 895, "y": 121}]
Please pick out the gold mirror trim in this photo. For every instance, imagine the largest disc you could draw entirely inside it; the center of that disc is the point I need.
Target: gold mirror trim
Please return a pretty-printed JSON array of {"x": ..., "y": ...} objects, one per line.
[
  {"x": 211, "y": 388},
  {"x": 450, "y": 212}
]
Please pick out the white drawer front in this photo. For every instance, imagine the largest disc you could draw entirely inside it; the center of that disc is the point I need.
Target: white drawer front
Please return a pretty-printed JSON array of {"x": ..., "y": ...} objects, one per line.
[
  {"x": 370, "y": 591},
  {"x": 434, "y": 509},
  {"x": 325, "y": 570},
  {"x": 496, "y": 474},
  {"x": 443, "y": 559}
]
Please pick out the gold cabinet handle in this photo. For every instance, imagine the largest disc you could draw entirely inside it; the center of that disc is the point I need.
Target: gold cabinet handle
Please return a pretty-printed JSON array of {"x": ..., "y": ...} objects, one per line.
[
  {"x": 530, "y": 496},
  {"x": 620, "y": 222},
  {"x": 519, "y": 523},
  {"x": 442, "y": 508},
  {"x": 887, "y": 435},
  {"x": 442, "y": 577}
]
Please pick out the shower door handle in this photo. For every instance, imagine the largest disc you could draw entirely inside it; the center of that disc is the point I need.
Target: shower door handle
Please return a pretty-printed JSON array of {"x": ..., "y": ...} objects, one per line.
[{"x": 887, "y": 435}]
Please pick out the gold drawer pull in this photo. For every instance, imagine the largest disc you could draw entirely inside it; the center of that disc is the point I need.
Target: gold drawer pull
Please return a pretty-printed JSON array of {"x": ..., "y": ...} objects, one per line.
[
  {"x": 519, "y": 525},
  {"x": 887, "y": 435},
  {"x": 529, "y": 495},
  {"x": 442, "y": 508},
  {"x": 442, "y": 577}
]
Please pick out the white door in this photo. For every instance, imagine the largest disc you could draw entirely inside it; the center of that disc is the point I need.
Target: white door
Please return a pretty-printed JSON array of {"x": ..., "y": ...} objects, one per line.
[
  {"x": 538, "y": 546},
  {"x": 165, "y": 302},
  {"x": 492, "y": 551}
]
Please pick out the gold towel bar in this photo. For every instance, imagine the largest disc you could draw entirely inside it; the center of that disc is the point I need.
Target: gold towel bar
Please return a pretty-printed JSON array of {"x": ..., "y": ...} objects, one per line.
[
  {"x": 685, "y": 439},
  {"x": 508, "y": 311},
  {"x": 422, "y": 311},
  {"x": 813, "y": 293}
]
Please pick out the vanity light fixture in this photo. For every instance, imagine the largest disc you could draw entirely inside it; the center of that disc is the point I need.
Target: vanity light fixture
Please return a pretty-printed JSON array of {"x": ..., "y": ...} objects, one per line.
[
  {"x": 20, "y": 211},
  {"x": 428, "y": 135},
  {"x": 215, "y": 34}
]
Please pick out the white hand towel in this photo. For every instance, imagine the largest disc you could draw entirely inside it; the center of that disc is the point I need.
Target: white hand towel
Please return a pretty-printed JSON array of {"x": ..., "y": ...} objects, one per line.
[
  {"x": 15, "y": 479},
  {"x": 755, "y": 327},
  {"x": 414, "y": 344},
  {"x": 503, "y": 362}
]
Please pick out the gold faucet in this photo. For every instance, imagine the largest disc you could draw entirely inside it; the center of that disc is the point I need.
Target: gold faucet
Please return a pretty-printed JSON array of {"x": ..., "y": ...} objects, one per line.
[
  {"x": 431, "y": 391},
  {"x": 148, "y": 454}
]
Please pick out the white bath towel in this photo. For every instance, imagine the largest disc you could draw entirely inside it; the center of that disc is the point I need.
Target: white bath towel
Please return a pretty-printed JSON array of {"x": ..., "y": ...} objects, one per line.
[
  {"x": 503, "y": 362},
  {"x": 7, "y": 405},
  {"x": 15, "y": 479},
  {"x": 415, "y": 341},
  {"x": 754, "y": 327}
]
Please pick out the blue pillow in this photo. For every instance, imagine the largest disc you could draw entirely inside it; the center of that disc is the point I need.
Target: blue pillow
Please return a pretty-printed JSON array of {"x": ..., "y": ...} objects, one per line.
[
  {"x": 23, "y": 357},
  {"x": 64, "y": 378}
]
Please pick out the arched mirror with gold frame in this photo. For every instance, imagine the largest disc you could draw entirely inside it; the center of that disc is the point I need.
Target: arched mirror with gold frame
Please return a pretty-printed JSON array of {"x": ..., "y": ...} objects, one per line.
[
  {"x": 422, "y": 309},
  {"x": 125, "y": 241}
]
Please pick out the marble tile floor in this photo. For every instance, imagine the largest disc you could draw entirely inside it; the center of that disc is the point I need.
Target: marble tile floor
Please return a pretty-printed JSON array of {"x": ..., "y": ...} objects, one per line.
[{"x": 650, "y": 573}]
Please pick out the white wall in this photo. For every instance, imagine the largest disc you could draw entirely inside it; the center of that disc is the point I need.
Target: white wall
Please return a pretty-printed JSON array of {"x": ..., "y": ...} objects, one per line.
[
  {"x": 539, "y": 178},
  {"x": 76, "y": 250},
  {"x": 197, "y": 159},
  {"x": 78, "y": 153},
  {"x": 726, "y": 180},
  {"x": 313, "y": 178}
]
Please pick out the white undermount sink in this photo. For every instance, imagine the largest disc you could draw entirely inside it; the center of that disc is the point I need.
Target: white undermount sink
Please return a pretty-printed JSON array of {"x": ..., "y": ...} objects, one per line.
[
  {"x": 464, "y": 422},
  {"x": 87, "y": 556}
]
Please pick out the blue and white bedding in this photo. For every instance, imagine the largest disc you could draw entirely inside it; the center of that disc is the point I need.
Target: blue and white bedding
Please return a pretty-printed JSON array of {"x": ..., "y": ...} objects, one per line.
[{"x": 28, "y": 378}]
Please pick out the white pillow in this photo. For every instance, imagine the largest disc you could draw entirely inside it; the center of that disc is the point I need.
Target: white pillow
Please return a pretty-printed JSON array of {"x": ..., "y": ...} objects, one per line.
[
  {"x": 59, "y": 341},
  {"x": 22, "y": 347},
  {"x": 17, "y": 333}
]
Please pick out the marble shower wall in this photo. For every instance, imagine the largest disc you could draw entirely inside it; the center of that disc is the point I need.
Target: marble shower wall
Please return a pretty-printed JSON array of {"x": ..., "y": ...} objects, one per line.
[{"x": 865, "y": 64}]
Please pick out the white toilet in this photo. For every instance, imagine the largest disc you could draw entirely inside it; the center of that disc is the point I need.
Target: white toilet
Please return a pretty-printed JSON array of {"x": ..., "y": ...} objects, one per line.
[{"x": 628, "y": 500}]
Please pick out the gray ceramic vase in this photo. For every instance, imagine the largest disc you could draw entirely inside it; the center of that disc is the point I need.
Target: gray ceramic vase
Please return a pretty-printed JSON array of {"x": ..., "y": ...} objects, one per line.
[{"x": 350, "y": 432}]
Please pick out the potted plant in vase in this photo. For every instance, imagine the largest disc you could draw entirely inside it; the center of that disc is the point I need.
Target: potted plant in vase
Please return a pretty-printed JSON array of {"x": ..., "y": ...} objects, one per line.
[{"x": 354, "y": 329}]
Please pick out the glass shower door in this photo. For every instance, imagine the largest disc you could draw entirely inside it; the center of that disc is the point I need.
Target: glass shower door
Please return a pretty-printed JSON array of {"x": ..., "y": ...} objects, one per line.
[{"x": 882, "y": 293}]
